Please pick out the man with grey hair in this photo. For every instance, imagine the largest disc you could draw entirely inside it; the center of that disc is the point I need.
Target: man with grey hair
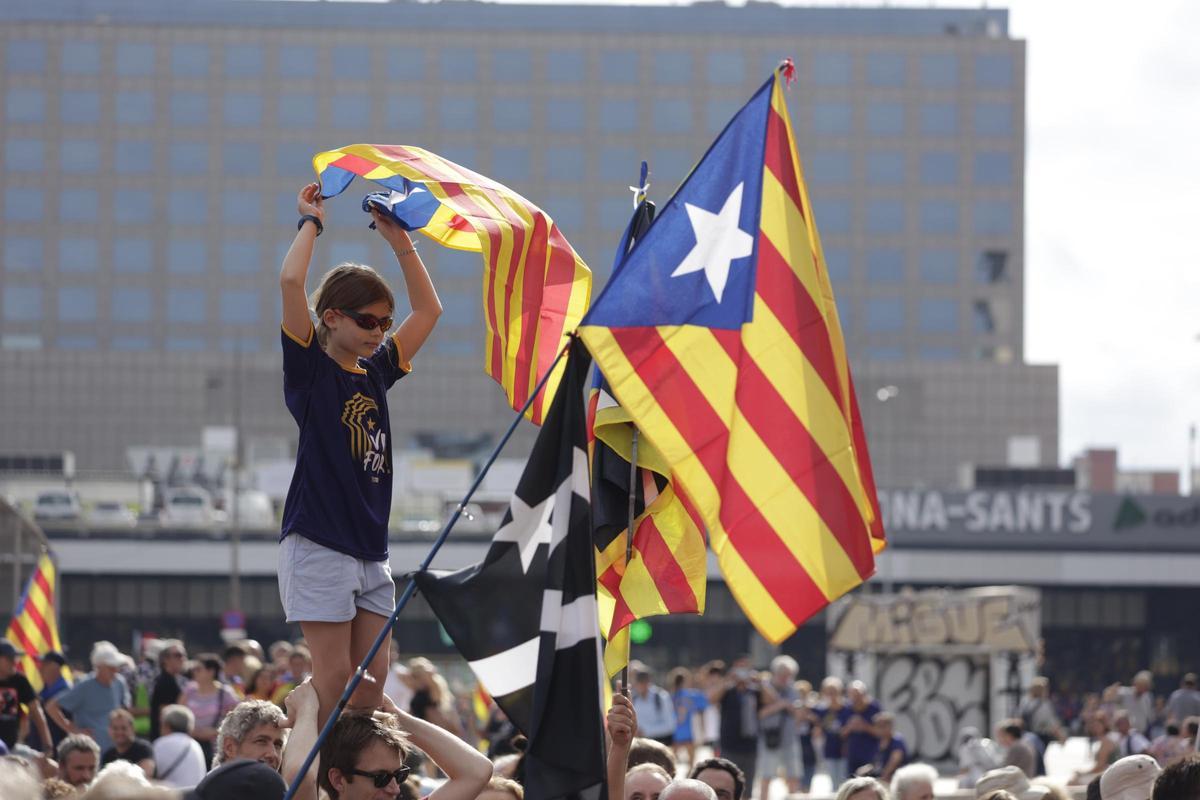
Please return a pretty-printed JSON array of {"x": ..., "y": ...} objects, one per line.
[
  {"x": 687, "y": 789},
  {"x": 252, "y": 730},
  {"x": 1138, "y": 700},
  {"x": 914, "y": 782},
  {"x": 91, "y": 700},
  {"x": 78, "y": 760},
  {"x": 178, "y": 756}
]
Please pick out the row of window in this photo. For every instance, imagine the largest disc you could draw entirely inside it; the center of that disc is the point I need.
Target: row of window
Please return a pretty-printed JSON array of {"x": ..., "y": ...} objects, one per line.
[
  {"x": 933, "y": 266},
  {"x": 936, "y": 217},
  {"x": 885, "y": 168},
  {"x": 675, "y": 67},
  {"x": 407, "y": 112}
]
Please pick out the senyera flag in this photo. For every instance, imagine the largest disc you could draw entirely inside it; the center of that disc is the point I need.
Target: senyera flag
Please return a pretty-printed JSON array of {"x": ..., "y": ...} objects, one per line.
[
  {"x": 34, "y": 625},
  {"x": 535, "y": 286},
  {"x": 719, "y": 337}
]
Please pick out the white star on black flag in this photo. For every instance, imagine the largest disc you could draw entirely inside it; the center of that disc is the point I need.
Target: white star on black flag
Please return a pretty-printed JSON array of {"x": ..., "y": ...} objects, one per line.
[{"x": 525, "y": 618}]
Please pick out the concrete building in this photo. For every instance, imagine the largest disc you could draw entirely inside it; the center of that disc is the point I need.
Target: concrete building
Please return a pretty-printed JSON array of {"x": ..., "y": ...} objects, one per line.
[{"x": 152, "y": 153}]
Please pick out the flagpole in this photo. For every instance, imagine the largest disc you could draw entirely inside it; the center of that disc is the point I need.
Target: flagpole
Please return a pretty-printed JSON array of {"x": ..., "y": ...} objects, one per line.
[
  {"x": 410, "y": 590},
  {"x": 629, "y": 539}
]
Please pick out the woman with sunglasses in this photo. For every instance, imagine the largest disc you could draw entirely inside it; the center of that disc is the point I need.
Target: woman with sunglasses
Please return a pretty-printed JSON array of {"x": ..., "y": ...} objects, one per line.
[{"x": 334, "y": 577}]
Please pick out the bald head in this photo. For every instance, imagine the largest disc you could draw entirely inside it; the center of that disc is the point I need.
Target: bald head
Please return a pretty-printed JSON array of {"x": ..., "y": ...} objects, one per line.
[{"x": 687, "y": 789}]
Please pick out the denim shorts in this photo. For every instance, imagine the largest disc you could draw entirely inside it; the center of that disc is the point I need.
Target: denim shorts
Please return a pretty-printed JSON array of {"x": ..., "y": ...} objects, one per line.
[{"x": 318, "y": 584}]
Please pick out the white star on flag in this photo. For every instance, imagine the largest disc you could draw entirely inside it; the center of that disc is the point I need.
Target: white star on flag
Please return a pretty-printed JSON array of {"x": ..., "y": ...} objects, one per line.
[
  {"x": 395, "y": 198},
  {"x": 719, "y": 242},
  {"x": 528, "y": 528}
]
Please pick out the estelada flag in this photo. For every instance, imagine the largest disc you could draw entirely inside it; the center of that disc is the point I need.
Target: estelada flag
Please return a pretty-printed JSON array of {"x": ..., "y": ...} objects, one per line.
[
  {"x": 719, "y": 337},
  {"x": 535, "y": 286}
]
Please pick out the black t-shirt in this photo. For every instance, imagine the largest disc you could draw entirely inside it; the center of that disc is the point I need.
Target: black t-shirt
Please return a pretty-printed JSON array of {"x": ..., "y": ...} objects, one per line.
[
  {"x": 14, "y": 690},
  {"x": 734, "y": 734},
  {"x": 420, "y": 704},
  {"x": 166, "y": 691},
  {"x": 139, "y": 750}
]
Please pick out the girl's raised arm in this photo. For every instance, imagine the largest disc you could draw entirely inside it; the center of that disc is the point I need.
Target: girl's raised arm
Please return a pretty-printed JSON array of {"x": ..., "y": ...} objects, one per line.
[
  {"x": 294, "y": 272},
  {"x": 426, "y": 307}
]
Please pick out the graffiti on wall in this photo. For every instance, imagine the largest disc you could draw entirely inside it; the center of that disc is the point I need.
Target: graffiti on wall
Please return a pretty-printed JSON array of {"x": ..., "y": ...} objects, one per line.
[{"x": 934, "y": 697}]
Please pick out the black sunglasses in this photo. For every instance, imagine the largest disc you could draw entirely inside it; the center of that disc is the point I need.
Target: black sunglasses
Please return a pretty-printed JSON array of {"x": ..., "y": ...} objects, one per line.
[
  {"x": 368, "y": 322},
  {"x": 382, "y": 777}
]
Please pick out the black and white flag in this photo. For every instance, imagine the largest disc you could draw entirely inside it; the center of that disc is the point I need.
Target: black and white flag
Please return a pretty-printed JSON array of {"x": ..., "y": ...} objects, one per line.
[{"x": 525, "y": 618}]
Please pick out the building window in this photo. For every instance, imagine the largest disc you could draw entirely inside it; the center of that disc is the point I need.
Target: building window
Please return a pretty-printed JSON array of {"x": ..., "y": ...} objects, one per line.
[
  {"x": 939, "y": 169},
  {"x": 885, "y": 352},
  {"x": 240, "y": 306},
  {"x": 185, "y": 344},
  {"x": 670, "y": 164},
  {"x": 511, "y": 65},
  {"x": 726, "y": 68},
  {"x": 939, "y": 266},
  {"x": 566, "y": 211},
  {"x": 885, "y": 119},
  {"x": 673, "y": 67},
  {"x": 993, "y": 119},
  {"x": 618, "y": 116},
  {"x": 886, "y": 70},
  {"x": 458, "y": 113},
  {"x": 939, "y": 216},
  {"x": 885, "y": 168},
  {"x": 79, "y": 155},
  {"x": 81, "y": 107},
  {"x": 832, "y": 118},
  {"x": 242, "y": 158},
  {"x": 241, "y": 256},
  {"x": 993, "y": 217},
  {"x": 80, "y": 58},
  {"x": 189, "y": 158},
  {"x": 994, "y": 71},
  {"x": 135, "y": 59},
  {"x": 77, "y": 304},
  {"x": 511, "y": 114},
  {"x": 300, "y": 61},
  {"x": 24, "y": 155},
  {"x": 619, "y": 66},
  {"x": 673, "y": 115},
  {"x": 130, "y": 343},
  {"x": 22, "y": 303},
  {"x": 939, "y": 119},
  {"x": 832, "y": 69},
  {"x": 621, "y": 160},
  {"x": 137, "y": 207},
  {"x": 982, "y": 319},
  {"x": 511, "y": 163},
  {"x": 297, "y": 108},
  {"x": 405, "y": 112},
  {"x": 186, "y": 256},
  {"x": 993, "y": 169},
  {"x": 242, "y": 208},
  {"x": 940, "y": 353},
  {"x": 133, "y": 156},
  {"x": 80, "y": 205},
  {"x": 566, "y": 66},
  {"x": 833, "y": 215},
  {"x": 351, "y": 61},
  {"x": 22, "y": 253},
  {"x": 245, "y": 61},
  {"x": 131, "y": 304},
  {"x": 464, "y": 155},
  {"x": 564, "y": 164},
  {"x": 939, "y": 71},
  {"x": 135, "y": 108},
  {"x": 885, "y": 265},
  {"x": 26, "y": 57},
  {"x": 350, "y": 110},
  {"x": 565, "y": 116},
  {"x": 132, "y": 255},
  {"x": 187, "y": 305},
  {"x": 458, "y": 64},
  {"x": 938, "y": 315},
  {"x": 992, "y": 267},
  {"x": 828, "y": 166},
  {"x": 190, "y": 60},
  {"x": 23, "y": 205},
  {"x": 243, "y": 109},
  {"x": 75, "y": 343},
  {"x": 885, "y": 216},
  {"x": 78, "y": 254},
  {"x": 189, "y": 108},
  {"x": 884, "y": 314},
  {"x": 25, "y": 105}
]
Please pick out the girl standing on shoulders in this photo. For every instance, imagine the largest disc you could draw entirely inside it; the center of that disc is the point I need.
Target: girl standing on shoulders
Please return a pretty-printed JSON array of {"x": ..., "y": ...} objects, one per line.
[{"x": 334, "y": 576}]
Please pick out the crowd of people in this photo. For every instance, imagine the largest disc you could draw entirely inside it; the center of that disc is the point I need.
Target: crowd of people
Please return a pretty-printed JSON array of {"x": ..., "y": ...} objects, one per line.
[{"x": 212, "y": 722}]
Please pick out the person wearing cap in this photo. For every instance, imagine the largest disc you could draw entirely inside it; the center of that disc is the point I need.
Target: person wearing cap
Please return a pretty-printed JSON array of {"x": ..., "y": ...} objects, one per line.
[
  {"x": 54, "y": 683},
  {"x": 1184, "y": 701},
  {"x": 91, "y": 700},
  {"x": 1131, "y": 778},
  {"x": 17, "y": 691},
  {"x": 1012, "y": 780},
  {"x": 241, "y": 779}
]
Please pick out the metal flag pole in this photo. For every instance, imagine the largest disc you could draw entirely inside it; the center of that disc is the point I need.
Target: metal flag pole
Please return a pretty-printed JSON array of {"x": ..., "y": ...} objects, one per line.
[{"x": 411, "y": 589}]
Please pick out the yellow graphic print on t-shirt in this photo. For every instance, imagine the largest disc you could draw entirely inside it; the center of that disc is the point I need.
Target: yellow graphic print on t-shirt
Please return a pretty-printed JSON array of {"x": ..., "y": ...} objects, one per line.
[{"x": 368, "y": 442}]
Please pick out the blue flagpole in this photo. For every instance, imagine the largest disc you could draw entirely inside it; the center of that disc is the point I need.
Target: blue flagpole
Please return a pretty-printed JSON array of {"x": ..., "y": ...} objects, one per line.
[{"x": 411, "y": 589}]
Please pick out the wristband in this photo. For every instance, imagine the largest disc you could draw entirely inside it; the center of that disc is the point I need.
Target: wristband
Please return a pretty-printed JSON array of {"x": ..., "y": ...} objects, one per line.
[{"x": 315, "y": 221}]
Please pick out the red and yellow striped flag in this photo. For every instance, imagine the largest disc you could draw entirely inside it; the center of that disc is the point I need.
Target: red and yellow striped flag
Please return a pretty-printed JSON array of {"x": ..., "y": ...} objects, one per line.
[
  {"x": 720, "y": 337},
  {"x": 34, "y": 626},
  {"x": 667, "y": 572},
  {"x": 535, "y": 286}
]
